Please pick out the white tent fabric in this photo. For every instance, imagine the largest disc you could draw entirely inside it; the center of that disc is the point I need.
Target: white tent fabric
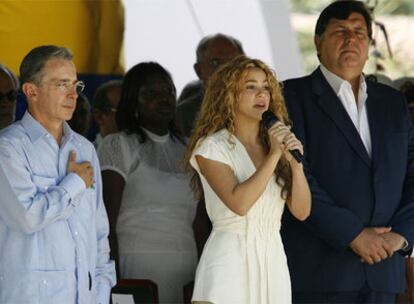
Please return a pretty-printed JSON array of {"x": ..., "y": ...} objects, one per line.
[{"x": 168, "y": 32}]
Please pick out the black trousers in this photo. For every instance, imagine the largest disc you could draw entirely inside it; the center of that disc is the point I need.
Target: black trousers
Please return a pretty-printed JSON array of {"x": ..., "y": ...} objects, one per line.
[{"x": 363, "y": 296}]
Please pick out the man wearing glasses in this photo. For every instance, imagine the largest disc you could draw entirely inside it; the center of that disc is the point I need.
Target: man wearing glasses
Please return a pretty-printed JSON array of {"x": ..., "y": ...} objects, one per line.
[
  {"x": 9, "y": 85},
  {"x": 53, "y": 224}
]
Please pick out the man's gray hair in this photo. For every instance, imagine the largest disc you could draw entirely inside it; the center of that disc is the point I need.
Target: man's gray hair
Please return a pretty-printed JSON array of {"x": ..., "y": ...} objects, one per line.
[
  {"x": 10, "y": 74},
  {"x": 202, "y": 45},
  {"x": 33, "y": 63}
]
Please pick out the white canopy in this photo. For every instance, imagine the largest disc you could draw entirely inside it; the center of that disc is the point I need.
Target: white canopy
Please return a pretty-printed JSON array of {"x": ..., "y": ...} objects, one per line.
[{"x": 168, "y": 31}]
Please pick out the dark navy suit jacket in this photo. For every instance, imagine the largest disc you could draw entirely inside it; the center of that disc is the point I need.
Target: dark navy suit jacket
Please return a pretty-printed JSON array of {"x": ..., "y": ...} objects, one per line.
[{"x": 350, "y": 189}]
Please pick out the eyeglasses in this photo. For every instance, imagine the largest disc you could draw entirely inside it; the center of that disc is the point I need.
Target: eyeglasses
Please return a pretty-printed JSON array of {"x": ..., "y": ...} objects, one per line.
[
  {"x": 66, "y": 86},
  {"x": 10, "y": 96}
]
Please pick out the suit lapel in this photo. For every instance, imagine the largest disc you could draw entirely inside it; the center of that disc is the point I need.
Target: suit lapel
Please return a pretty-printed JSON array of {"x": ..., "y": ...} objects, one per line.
[
  {"x": 333, "y": 107},
  {"x": 375, "y": 110}
]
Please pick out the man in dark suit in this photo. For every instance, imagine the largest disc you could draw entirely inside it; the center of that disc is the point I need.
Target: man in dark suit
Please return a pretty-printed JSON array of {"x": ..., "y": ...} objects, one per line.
[{"x": 359, "y": 150}]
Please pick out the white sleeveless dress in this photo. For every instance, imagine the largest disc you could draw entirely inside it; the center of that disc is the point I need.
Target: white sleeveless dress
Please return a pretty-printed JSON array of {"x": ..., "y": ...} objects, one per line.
[
  {"x": 243, "y": 260},
  {"x": 154, "y": 225}
]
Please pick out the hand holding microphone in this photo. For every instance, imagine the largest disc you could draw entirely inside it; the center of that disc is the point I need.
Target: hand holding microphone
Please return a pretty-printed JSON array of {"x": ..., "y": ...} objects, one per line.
[{"x": 283, "y": 135}]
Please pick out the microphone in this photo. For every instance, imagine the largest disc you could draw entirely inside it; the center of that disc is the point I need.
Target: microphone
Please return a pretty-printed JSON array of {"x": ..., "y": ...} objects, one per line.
[{"x": 269, "y": 119}]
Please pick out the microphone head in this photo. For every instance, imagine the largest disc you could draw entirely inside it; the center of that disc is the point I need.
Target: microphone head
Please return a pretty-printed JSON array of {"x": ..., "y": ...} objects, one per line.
[{"x": 269, "y": 119}]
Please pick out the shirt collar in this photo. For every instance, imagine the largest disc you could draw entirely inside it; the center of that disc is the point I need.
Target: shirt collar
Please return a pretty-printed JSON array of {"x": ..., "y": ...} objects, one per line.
[
  {"x": 337, "y": 83},
  {"x": 156, "y": 137},
  {"x": 35, "y": 130},
  {"x": 68, "y": 133}
]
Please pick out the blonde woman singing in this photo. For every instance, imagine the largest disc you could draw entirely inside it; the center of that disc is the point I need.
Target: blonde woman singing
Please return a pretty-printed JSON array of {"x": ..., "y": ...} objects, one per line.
[{"x": 247, "y": 176}]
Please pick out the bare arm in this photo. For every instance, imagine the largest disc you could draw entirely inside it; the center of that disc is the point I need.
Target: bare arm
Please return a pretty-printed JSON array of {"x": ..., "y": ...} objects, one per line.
[
  {"x": 201, "y": 226},
  {"x": 300, "y": 202},
  {"x": 241, "y": 196},
  {"x": 105, "y": 274},
  {"x": 113, "y": 186}
]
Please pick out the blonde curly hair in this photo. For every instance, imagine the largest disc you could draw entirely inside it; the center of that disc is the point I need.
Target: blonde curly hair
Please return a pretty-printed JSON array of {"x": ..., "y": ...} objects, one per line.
[{"x": 218, "y": 112}]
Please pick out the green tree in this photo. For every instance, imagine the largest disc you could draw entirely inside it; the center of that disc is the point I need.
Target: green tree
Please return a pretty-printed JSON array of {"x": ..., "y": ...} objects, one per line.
[{"x": 388, "y": 7}]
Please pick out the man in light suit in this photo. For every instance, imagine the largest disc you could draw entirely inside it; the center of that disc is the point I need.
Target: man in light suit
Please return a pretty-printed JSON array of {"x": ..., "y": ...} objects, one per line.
[{"x": 359, "y": 149}]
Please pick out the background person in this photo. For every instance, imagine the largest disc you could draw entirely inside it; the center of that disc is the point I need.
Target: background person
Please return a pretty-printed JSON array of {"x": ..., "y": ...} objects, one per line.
[
  {"x": 104, "y": 107},
  {"x": 147, "y": 194},
  {"x": 9, "y": 87},
  {"x": 212, "y": 51},
  {"x": 81, "y": 118}
]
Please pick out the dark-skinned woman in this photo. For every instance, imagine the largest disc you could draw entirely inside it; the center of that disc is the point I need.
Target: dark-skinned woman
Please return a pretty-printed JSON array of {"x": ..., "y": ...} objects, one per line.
[{"x": 148, "y": 196}]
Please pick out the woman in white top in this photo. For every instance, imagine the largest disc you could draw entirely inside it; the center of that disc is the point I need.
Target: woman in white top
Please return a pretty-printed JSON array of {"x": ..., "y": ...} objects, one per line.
[
  {"x": 148, "y": 197},
  {"x": 247, "y": 175}
]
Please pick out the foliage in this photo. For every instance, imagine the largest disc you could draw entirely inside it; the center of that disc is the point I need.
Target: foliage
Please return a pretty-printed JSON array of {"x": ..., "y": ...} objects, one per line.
[
  {"x": 385, "y": 7},
  {"x": 394, "y": 67},
  {"x": 394, "y": 7},
  {"x": 308, "y": 7}
]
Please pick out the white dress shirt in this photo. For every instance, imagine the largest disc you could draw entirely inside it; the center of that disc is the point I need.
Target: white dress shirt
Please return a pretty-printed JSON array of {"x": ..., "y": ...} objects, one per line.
[{"x": 357, "y": 111}]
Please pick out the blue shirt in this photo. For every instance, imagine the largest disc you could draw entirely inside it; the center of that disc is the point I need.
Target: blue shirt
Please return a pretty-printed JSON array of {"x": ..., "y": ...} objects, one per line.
[{"x": 53, "y": 231}]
